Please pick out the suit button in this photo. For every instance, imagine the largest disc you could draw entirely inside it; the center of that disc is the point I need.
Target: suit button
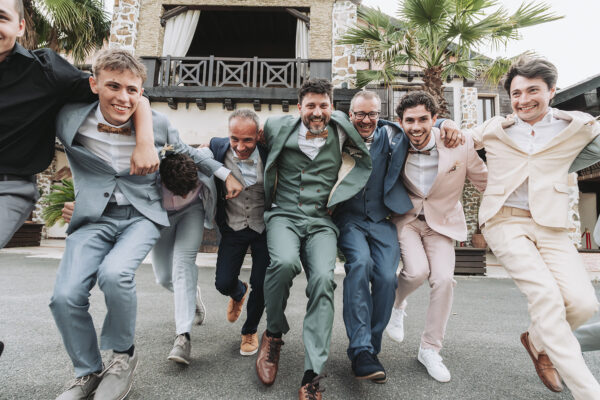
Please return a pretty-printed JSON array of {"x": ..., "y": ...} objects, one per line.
[
  {"x": 106, "y": 194},
  {"x": 318, "y": 190},
  {"x": 301, "y": 188},
  {"x": 247, "y": 207},
  {"x": 299, "y": 204},
  {"x": 302, "y": 171},
  {"x": 117, "y": 177},
  {"x": 317, "y": 207}
]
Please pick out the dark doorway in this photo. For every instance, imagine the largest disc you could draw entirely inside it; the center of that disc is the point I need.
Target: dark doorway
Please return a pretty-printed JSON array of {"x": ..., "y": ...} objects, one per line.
[{"x": 265, "y": 34}]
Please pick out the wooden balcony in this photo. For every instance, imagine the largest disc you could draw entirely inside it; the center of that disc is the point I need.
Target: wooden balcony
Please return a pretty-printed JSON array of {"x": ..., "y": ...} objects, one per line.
[{"x": 216, "y": 79}]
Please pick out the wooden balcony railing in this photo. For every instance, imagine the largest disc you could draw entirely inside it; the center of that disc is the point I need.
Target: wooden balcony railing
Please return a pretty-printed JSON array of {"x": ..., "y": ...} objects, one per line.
[{"x": 233, "y": 72}]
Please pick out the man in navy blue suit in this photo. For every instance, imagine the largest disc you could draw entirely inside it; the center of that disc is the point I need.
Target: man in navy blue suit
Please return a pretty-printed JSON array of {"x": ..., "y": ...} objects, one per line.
[
  {"x": 241, "y": 223},
  {"x": 369, "y": 240}
]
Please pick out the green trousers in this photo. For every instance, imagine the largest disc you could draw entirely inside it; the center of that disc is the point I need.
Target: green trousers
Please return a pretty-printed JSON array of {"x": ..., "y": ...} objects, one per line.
[{"x": 294, "y": 242}]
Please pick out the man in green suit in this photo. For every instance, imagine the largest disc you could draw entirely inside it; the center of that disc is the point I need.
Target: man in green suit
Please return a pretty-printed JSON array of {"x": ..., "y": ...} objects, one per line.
[{"x": 315, "y": 162}]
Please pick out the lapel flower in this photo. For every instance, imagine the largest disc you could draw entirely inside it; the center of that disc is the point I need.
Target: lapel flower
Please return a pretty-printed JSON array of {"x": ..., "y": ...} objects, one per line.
[
  {"x": 456, "y": 166},
  {"x": 166, "y": 148}
]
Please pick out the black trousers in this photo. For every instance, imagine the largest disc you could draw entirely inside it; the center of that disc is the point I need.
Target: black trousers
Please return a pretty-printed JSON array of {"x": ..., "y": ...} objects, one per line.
[{"x": 232, "y": 249}]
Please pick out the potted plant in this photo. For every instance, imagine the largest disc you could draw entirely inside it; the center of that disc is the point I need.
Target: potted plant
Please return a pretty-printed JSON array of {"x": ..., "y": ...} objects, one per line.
[{"x": 478, "y": 241}]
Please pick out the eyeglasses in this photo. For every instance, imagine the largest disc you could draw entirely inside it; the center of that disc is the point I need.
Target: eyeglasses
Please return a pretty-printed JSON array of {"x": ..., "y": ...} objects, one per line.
[{"x": 361, "y": 115}]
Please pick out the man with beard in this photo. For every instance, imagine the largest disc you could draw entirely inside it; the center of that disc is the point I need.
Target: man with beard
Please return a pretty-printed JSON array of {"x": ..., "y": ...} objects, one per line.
[
  {"x": 368, "y": 239},
  {"x": 314, "y": 162},
  {"x": 434, "y": 177}
]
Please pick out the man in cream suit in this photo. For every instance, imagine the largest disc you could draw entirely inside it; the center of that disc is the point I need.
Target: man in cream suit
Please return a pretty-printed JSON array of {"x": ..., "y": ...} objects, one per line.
[
  {"x": 523, "y": 216},
  {"x": 434, "y": 176}
]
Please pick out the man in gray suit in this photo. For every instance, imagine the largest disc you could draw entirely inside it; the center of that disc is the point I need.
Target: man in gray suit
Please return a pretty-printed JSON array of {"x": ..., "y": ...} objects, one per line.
[{"x": 114, "y": 225}]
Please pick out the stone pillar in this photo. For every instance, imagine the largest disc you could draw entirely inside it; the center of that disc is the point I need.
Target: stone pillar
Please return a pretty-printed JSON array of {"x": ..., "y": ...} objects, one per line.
[
  {"x": 574, "y": 220},
  {"x": 343, "y": 60},
  {"x": 123, "y": 29},
  {"x": 471, "y": 198},
  {"x": 44, "y": 183}
]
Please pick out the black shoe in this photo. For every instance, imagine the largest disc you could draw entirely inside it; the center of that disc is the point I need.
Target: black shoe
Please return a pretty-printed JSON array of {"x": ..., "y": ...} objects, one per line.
[
  {"x": 366, "y": 366},
  {"x": 1, "y": 348}
]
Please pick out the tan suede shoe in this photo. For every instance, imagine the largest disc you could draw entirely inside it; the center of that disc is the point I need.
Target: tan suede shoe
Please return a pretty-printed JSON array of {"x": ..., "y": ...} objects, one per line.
[
  {"x": 543, "y": 366},
  {"x": 267, "y": 361},
  {"x": 249, "y": 344},
  {"x": 234, "y": 308}
]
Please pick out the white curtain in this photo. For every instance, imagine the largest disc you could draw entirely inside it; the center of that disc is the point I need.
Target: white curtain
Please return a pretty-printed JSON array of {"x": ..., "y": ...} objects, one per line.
[
  {"x": 179, "y": 33},
  {"x": 301, "y": 39}
]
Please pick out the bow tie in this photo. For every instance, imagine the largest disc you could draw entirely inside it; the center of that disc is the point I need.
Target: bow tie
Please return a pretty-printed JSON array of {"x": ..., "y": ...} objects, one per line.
[
  {"x": 310, "y": 135},
  {"x": 369, "y": 139},
  {"x": 111, "y": 129},
  {"x": 248, "y": 161},
  {"x": 425, "y": 152}
]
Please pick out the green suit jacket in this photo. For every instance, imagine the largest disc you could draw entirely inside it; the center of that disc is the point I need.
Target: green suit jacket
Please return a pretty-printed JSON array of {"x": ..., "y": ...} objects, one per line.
[{"x": 356, "y": 160}]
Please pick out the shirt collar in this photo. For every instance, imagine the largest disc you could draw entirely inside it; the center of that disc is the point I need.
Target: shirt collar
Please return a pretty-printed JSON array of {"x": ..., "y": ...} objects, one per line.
[
  {"x": 430, "y": 145},
  {"x": 303, "y": 129},
  {"x": 17, "y": 49},
  {"x": 102, "y": 120}
]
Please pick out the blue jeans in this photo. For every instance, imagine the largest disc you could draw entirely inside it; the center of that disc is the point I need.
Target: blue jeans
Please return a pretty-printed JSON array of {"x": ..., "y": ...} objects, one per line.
[
  {"x": 174, "y": 261},
  {"x": 372, "y": 257},
  {"x": 108, "y": 251}
]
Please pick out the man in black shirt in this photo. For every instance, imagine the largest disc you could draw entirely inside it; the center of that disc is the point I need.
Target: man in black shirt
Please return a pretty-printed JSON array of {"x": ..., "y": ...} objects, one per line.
[{"x": 34, "y": 85}]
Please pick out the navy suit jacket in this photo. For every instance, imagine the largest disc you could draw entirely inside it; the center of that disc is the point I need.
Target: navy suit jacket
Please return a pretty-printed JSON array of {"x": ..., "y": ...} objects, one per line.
[{"x": 219, "y": 147}]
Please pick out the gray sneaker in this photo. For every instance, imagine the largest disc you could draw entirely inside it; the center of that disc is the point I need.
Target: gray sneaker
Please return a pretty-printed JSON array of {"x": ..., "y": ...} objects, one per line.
[
  {"x": 81, "y": 388},
  {"x": 118, "y": 377},
  {"x": 200, "y": 309},
  {"x": 181, "y": 350}
]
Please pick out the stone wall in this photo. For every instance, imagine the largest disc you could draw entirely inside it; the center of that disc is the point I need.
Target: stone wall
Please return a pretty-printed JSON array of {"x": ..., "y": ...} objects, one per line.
[
  {"x": 44, "y": 182},
  {"x": 471, "y": 198},
  {"x": 343, "y": 58},
  {"x": 151, "y": 33},
  {"x": 124, "y": 27}
]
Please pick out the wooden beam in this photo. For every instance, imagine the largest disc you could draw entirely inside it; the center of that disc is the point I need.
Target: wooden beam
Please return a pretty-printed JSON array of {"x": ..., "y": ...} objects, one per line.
[
  {"x": 299, "y": 15},
  {"x": 173, "y": 12}
]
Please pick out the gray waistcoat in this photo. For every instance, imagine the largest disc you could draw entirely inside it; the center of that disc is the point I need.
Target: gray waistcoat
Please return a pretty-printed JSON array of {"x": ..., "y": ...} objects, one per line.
[{"x": 248, "y": 208}]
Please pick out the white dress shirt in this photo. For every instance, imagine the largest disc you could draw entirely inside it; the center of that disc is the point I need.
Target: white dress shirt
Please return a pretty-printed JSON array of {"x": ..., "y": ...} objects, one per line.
[
  {"x": 311, "y": 147},
  {"x": 531, "y": 139},
  {"x": 247, "y": 167},
  {"x": 421, "y": 169},
  {"x": 112, "y": 148}
]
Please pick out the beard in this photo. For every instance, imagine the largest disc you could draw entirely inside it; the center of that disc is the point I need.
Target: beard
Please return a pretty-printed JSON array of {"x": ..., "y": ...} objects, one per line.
[{"x": 315, "y": 131}]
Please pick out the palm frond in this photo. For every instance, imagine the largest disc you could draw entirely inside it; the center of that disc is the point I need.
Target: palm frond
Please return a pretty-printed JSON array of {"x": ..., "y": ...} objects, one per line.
[{"x": 55, "y": 201}]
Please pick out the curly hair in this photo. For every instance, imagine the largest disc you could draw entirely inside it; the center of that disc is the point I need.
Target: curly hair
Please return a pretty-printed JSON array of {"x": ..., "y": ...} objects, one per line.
[
  {"x": 179, "y": 174},
  {"x": 317, "y": 86},
  {"x": 414, "y": 99}
]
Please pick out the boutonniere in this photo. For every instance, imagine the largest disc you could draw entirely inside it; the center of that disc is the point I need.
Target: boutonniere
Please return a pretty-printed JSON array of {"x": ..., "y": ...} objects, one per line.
[
  {"x": 353, "y": 151},
  {"x": 167, "y": 148},
  {"x": 455, "y": 166}
]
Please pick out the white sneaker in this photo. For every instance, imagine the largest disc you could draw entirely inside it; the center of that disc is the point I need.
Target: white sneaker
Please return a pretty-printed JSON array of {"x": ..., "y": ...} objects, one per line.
[
  {"x": 200, "y": 309},
  {"x": 433, "y": 362},
  {"x": 395, "y": 328}
]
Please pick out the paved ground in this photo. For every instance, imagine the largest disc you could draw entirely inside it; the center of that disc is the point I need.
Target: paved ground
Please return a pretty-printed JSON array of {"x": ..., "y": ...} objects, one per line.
[{"x": 482, "y": 350}]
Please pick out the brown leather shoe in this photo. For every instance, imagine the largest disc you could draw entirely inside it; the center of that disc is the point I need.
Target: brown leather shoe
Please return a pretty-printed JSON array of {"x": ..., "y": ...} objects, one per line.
[
  {"x": 268, "y": 359},
  {"x": 543, "y": 366},
  {"x": 311, "y": 391},
  {"x": 234, "y": 308}
]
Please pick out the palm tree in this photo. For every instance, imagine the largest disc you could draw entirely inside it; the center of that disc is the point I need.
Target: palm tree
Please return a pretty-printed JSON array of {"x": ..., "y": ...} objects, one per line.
[
  {"x": 440, "y": 38},
  {"x": 55, "y": 201},
  {"x": 76, "y": 27}
]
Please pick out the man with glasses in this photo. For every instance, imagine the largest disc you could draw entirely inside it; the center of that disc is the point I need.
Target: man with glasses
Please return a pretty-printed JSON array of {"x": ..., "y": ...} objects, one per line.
[{"x": 368, "y": 239}]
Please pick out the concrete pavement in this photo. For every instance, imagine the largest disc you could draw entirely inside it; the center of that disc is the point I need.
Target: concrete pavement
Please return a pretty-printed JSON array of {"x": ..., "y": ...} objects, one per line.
[{"x": 482, "y": 349}]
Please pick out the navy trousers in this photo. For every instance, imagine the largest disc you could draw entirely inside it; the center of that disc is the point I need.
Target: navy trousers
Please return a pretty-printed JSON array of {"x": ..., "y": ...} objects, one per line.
[
  {"x": 372, "y": 256},
  {"x": 232, "y": 249}
]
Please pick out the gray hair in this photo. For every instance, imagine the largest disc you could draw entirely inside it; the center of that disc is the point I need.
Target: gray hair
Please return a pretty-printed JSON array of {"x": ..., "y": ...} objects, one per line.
[
  {"x": 245, "y": 113},
  {"x": 365, "y": 94}
]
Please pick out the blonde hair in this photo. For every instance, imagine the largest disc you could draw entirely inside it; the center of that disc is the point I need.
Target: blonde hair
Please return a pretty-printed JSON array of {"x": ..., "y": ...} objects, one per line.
[{"x": 118, "y": 60}]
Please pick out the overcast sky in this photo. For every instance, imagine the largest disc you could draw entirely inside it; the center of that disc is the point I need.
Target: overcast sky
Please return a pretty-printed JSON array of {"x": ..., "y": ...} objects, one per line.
[{"x": 570, "y": 43}]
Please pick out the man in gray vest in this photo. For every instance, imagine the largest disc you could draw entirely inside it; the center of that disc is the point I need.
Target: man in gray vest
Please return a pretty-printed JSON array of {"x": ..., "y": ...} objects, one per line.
[{"x": 241, "y": 223}]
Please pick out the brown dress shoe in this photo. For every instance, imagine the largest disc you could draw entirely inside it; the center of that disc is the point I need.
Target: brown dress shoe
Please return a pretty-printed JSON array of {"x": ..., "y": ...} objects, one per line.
[
  {"x": 311, "y": 390},
  {"x": 543, "y": 366},
  {"x": 268, "y": 359},
  {"x": 234, "y": 308}
]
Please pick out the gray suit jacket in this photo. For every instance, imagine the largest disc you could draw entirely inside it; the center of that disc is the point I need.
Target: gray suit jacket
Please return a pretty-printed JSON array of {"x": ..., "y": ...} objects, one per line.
[{"x": 95, "y": 180}]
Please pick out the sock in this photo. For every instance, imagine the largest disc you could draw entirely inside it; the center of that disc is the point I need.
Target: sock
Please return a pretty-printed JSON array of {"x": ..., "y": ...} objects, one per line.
[
  {"x": 309, "y": 375},
  {"x": 187, "y": 335},
  {"x": 129, "y": 351},
  {"x": 275, "y": 335}
]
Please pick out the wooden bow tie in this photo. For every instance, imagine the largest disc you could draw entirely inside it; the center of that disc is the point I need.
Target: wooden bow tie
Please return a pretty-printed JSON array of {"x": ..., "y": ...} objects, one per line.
[
  {"x": 310, "y": 135},
  {"x": 111, "y": 129},
  {"x": 413, "y": 151}
]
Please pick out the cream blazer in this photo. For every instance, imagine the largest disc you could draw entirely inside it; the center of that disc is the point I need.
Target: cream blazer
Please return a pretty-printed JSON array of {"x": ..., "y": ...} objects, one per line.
[
  {"x": 546, "y": 169},
  {"x": 441, "y": 207}
]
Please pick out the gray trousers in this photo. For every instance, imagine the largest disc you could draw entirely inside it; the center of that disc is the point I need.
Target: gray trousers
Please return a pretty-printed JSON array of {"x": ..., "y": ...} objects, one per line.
[
  {"x": 588, "y": 336},
  {"x": 17, "y": 200}
]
